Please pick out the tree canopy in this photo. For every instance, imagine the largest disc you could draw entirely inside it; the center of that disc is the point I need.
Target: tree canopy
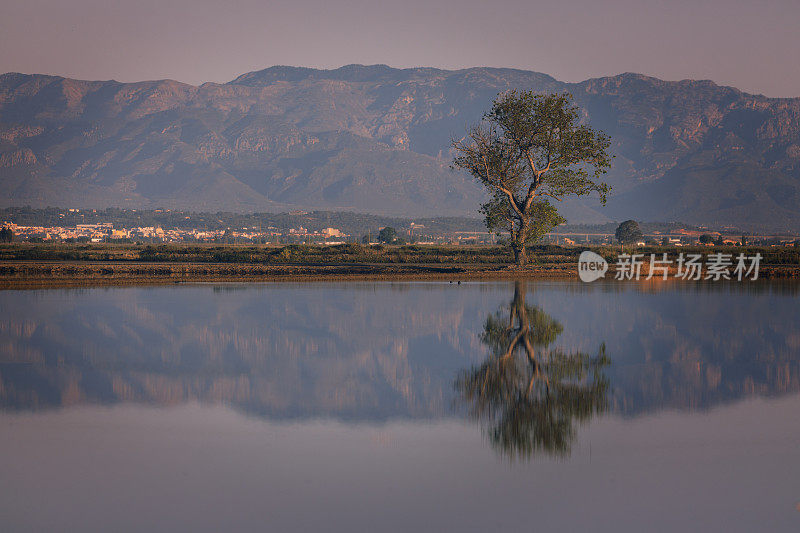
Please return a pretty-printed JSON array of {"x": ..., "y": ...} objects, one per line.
[
  {"x": 628, "y": 232},
  {"x": 6, "y": 235},
  {"x": 528, "y": 150},
  {"x": 387, "y": 235}
]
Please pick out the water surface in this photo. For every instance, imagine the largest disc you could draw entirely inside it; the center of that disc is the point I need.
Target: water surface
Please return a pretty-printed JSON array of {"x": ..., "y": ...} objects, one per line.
[{"x": 401, "y": 406}]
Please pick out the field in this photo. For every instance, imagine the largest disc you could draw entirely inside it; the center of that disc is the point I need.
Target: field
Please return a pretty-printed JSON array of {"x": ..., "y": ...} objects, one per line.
[{"x": 24, "y": 264}]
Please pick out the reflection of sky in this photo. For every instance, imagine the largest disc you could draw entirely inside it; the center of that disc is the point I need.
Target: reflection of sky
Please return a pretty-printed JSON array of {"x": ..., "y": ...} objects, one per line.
[
  {"x": 369, "y": 351},
  {"x": 196, "y": 468}
]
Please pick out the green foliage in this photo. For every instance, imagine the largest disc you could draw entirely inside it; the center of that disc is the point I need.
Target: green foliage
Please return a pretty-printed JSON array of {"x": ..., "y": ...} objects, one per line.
[
  {"x": 531, "y": 148},
  {"x": 544, "y": 217},
  {"x": 387, "y": 235},
  {"x": 6, "y": 235},
  {"x": 546, "y": 132},
  {"x": 628, "y": 232},
  {"x": 706, "y": 239}
]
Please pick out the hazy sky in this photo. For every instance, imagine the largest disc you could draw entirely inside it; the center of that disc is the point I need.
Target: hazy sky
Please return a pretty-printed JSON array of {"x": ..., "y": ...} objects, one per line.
[{"x": 753, "y": 45}]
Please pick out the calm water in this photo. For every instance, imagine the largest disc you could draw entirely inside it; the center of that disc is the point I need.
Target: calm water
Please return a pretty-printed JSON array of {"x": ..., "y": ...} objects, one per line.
[{"x": 401, "y": 406}]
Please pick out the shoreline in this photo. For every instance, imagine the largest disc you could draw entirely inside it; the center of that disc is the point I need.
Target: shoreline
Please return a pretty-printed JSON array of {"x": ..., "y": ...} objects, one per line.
[
  {"x": 46, "y": 274},
  {"x": 55, "y": 274}
]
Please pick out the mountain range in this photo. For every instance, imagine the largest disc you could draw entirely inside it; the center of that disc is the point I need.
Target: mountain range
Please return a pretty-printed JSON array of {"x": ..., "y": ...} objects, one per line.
[{"x": 377, "y": 139}]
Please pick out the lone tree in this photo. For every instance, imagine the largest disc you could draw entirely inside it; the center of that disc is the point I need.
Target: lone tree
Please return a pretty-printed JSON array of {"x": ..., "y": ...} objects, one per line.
[
  {"x": 531, "y": 148},
  {"x": 628, "y": 232},
  {"x": 6, "y": 235},
  {"x": 387, "y": 235}
]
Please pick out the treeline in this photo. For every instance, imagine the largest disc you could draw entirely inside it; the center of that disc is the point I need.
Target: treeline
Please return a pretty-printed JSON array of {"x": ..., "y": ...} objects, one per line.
[
  {"x": 351, "y": 223},
  {"x": 355, "y": 224},
  {"x": 647, "y": 228},
  {"x": 669, "y": 228}
]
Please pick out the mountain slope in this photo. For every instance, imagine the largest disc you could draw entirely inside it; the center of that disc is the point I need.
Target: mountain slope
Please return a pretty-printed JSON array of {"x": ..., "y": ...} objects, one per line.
[{"x": 374, "y": 138}]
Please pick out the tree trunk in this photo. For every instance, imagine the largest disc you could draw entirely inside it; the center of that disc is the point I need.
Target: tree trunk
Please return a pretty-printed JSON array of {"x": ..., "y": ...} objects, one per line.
[
  {"x": 520, "y": 257},
  {"x": 518, "y": 244}
]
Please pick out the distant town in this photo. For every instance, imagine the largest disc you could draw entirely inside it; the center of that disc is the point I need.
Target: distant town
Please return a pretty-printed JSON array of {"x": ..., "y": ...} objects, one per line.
[
  {"x": 106, "y": 232},
  {"x": 74, "y": 225}
]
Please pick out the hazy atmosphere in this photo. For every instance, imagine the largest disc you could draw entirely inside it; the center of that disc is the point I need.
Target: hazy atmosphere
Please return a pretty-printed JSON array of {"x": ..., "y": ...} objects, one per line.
[
  {"x": 746, "y": 44},
  {"x": 423, "y": 265}
]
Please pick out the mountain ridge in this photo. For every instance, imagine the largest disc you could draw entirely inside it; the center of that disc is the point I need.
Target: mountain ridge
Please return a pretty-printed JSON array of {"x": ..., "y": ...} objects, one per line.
[{"x": 374, "y": 138}]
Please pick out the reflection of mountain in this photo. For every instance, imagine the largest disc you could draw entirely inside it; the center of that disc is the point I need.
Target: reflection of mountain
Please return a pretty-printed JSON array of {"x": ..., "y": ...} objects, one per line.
[
  {"x": 278, "y": 351},
  {"x": 689, "y": 346},
  {"x": 529, "y": 396},
  {"x": 374, "y": 351}
]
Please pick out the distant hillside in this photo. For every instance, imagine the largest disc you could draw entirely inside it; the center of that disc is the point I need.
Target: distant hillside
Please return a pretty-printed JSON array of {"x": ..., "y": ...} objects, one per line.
[{"x": 376, "y": 139}]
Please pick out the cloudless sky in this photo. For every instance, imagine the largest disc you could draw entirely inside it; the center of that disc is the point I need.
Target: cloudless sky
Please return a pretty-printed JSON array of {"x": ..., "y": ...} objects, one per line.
[{"x": 753, "y": 45}]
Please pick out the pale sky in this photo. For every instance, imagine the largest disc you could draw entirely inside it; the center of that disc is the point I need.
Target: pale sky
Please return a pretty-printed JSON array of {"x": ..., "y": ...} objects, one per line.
[{"x": 752, "y": 45}]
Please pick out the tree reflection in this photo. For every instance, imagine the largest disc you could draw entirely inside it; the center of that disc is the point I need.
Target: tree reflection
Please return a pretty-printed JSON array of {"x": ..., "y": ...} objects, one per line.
[{"x": 529, "y": 396}]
